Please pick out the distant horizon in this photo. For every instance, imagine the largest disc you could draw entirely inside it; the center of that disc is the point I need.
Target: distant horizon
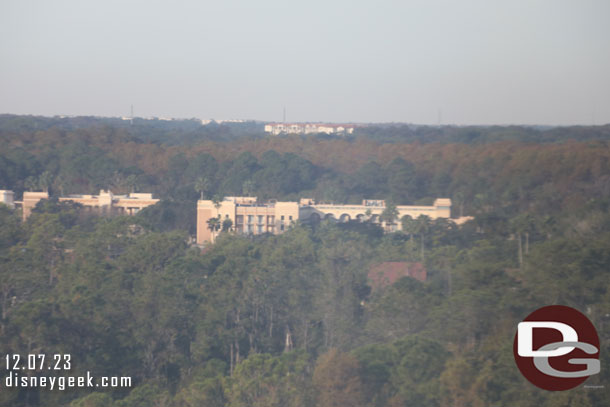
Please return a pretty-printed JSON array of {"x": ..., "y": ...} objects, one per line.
[{"x": 245, "y": 120}]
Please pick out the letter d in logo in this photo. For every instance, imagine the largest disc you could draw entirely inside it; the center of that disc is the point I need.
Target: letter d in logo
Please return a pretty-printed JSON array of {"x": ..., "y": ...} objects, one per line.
[
  {"x": 526, "y": 338},
  {"x": 556, "y": 348}
]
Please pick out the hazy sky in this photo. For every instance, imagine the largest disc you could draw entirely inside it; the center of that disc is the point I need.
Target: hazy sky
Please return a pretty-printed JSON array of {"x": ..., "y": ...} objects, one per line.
[{"x": 475, "y": 62}]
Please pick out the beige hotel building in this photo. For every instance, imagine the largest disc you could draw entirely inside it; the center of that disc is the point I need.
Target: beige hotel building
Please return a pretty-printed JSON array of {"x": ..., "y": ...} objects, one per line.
[
  {"x": 247, "y": 216},
  {"x": 104, "y": 203}
]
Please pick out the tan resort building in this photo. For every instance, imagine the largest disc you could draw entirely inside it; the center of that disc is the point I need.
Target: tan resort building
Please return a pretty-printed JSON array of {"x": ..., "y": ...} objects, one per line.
[
  {"x": 248, "y": 216},
  {"x": 104, "y": 203}
]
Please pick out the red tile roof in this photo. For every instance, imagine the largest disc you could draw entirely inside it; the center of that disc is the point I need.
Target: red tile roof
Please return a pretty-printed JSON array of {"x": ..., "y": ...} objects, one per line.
[{"x": 387, "y": 273}]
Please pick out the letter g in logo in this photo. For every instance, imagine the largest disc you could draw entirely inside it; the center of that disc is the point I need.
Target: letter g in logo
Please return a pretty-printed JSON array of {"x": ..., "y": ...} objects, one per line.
[{"x": 553, "y": 345}]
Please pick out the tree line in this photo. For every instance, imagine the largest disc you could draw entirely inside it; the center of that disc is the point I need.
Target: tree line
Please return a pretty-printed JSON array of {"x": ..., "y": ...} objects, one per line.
[
  {"x": 291, "y": 319},
  {"x": 514, "y": 176}
]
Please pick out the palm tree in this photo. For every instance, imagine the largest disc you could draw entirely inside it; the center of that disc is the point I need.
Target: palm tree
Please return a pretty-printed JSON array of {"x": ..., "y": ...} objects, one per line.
[
  {"x": 217, "y": 200},
  {"x": 213, "y": 224},
  {"x": 202, "y": 185},
  {"x": 522, "y": 225},
  {"x": 423, "y": 226},
  {"x": 117, "y": 181},
  {"x": 132, "y": 183},
  {"x": 45, "y": 180},
  {"x": 389, "y": 214},
  {"x": 227, "y": 224},
  {"x": 61, "y": 182},
  {"x": 409, "y": 226},
  {"x": 31, "y": 183},
  {"x": 248, "y": 188}
]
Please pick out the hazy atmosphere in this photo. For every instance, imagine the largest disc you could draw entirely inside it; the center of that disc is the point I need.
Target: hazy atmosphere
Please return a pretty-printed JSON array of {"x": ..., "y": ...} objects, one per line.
[
  {"x": 466, "y": 62},
  {"x": 396, "y": 204}
]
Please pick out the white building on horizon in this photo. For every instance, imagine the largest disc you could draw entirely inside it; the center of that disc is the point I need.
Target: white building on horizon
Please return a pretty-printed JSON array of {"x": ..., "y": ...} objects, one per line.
[{"x": 308, "y": 128}]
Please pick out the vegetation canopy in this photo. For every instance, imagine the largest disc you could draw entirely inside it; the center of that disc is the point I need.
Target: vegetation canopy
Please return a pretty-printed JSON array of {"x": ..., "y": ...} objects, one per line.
[{"x": 291, "y": 319}]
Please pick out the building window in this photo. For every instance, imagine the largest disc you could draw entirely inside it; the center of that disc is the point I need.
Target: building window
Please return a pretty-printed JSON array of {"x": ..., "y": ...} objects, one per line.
[
  {"x": 282, "y": 228},
  {"x": 250, "y": 218},
  {"x": 290, "y": 217},
  {"x": 282, "y": 218},
  {"x": 260, "y": 229},
  {"x": 260, "y": 219}
]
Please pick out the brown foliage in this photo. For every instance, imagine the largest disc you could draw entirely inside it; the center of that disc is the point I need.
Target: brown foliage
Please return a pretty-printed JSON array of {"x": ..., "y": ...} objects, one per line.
[{"x": 337, "y": 381}]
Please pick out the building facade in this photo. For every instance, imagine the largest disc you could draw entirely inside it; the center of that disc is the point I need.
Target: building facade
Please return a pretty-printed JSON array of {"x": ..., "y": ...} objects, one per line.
[
  {"x": 371, "y": 210},
  {"x": 247, "y": 216},
  {"x": 7, "y": 198},
  {"x": 30, "y": 199},
  {"x": 104, "y": 203}
]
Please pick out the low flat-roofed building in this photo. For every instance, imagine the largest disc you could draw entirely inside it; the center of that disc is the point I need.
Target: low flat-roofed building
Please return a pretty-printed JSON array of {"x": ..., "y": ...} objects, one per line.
[
  {"x": 372, "y": 209},
  {"x": 104, "y": 203},
  {"x": 107, "y": 202}
]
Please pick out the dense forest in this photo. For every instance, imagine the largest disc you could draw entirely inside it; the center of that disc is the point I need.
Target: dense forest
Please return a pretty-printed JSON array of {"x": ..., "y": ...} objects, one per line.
[{"x": 291, "y": 320}]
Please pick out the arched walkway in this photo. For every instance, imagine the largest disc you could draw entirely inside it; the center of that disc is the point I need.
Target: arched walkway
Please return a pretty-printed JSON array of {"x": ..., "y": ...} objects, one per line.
[
  {"x": 330, "y": 216},
  {"x": 314, "y": 218}
]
